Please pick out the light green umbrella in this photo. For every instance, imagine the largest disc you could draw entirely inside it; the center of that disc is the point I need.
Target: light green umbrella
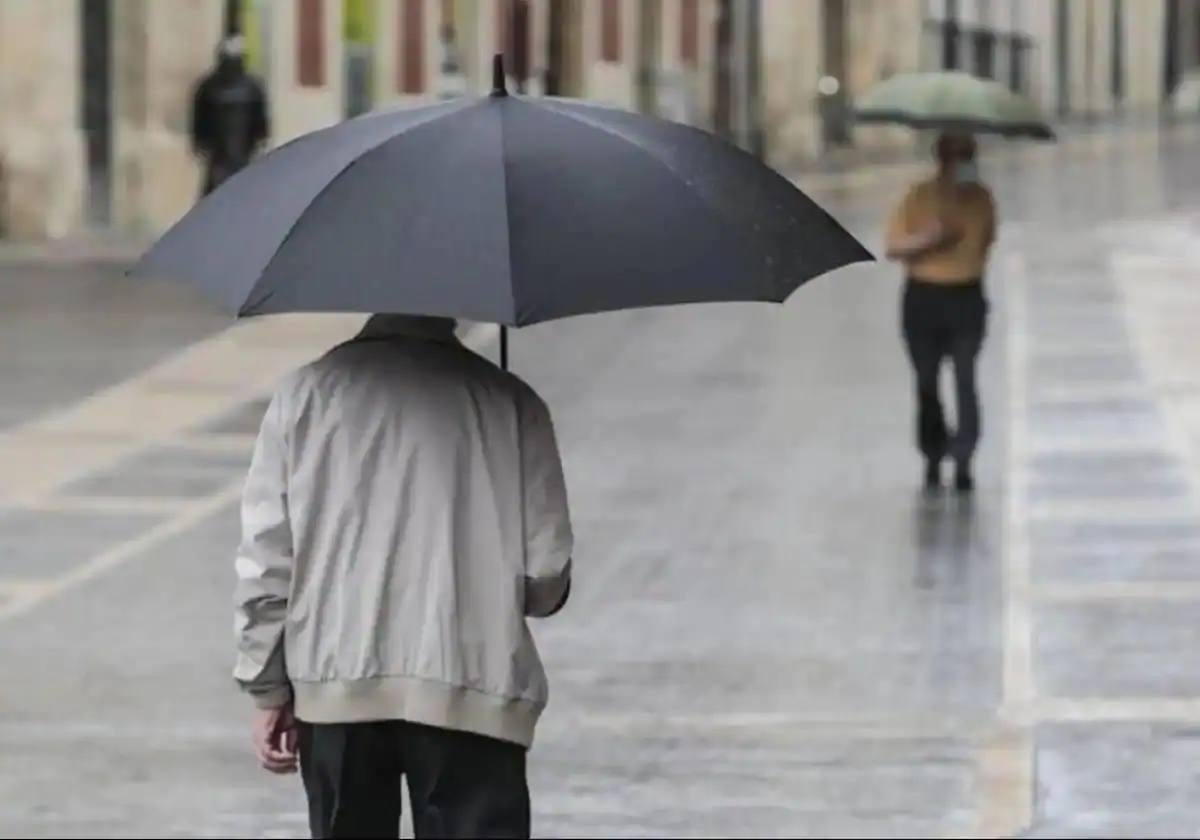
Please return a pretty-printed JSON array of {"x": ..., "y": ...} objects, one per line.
[{"x": 952, "y": 101}]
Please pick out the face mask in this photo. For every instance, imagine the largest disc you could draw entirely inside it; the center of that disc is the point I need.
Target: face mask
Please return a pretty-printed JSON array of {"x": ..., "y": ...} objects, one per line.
[{"x": 966, "y": 172}]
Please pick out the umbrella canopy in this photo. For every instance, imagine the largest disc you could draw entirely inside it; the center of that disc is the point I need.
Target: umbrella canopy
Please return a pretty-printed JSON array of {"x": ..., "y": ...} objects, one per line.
[
  {"x": 501, "y": 209},
  {"x": 952, "y": 101}
]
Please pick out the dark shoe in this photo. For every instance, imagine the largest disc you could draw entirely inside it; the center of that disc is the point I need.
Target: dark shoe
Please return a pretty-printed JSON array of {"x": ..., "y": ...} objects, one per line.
[
  {"x": 933, "y": 476},
  {"x": 963, "y": 482}
]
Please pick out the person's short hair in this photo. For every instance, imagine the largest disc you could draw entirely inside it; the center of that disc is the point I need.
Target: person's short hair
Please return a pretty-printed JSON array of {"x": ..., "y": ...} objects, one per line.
[
  {"x": 955, "y": 141},
  {"x": 232, "y": 46}
]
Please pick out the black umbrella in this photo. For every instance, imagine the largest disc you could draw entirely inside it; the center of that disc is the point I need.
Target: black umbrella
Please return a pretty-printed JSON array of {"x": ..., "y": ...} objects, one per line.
[{"x": 501, "y": 209}]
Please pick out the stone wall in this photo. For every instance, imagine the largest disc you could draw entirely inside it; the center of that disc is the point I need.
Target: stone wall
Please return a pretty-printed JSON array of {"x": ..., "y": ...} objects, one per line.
[
  {"x": 161, "y": 52},
  {"x": 42, "y": 154},
  {"x": 296, "y": 109},
  {"x": 883, "y": 39},
  {"x": 791, "y": 67},
  {"x": 387, "y": 54}
]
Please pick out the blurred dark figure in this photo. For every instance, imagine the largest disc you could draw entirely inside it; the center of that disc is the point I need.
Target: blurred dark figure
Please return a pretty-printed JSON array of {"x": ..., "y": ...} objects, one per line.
[
  {"x": 834, "y": 110},
  {"x": 229, "y": 116},
  {"x": 942, "y": 232}
]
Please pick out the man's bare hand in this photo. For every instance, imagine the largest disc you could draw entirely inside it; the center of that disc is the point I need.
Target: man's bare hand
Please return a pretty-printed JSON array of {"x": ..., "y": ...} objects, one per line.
[
  {"x": 930, "y": 238},
  {"x": 275, "y": 738}
]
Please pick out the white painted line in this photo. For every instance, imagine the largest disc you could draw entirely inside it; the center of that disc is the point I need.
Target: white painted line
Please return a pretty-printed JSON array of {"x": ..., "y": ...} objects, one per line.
[
  {"x": 1006, "y": 804},
  {"x": 1047, "y": 444},
  {"x": 121, "y": 554},
  {"x": 109, "y": 445},
  {"x": 1119, "y": 591},
  {"x": 1167, "y": 357},
  {"x": 1006, "y": 783},
  {"x": 1075, "y": 393},
  {"x": 1116, "y": 710},
  {"x": 20, "y": 588},
  {"x": 1116, "y": 510},
  {"x": 809, "y": 727},
  {"x": 109, "y": 504},
  {"x": 1018, "y": 679},
  {"x": 235, "y": 366},
  {"x": 217, "y": 443}
]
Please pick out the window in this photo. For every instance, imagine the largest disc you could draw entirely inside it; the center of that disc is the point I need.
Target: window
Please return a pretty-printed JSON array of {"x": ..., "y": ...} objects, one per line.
[
  {"x": 610, "y": 30},
  {"x": 310, "y": 43},
  {"x": 411, "y": 47},
  {"x": 689, "y": 31}
]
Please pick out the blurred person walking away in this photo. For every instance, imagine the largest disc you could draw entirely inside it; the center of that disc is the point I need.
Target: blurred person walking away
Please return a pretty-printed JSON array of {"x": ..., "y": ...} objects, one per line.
[
  {"x": 404, "y": 513},
  {"x": 229, "y": 116},
  {"x": 942, "y": 233}
]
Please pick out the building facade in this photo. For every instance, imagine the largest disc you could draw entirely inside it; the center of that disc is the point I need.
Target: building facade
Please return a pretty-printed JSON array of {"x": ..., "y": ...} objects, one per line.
[
  {"x": 95, "y": 94},
  {"x": 1097, "y": 59}
]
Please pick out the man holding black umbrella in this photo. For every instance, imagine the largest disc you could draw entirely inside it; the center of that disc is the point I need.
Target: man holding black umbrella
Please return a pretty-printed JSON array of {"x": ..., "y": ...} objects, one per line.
[
  {"x": 406, "y": 509},
  {"x": 942, "y": 232},
  {"x": 404, "y": 513}
]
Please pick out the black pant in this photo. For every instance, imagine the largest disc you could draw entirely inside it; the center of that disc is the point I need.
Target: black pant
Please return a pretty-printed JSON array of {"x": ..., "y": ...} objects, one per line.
[
  {"x": 943, "y": 321},
  {"x": 459, "y": 784}
]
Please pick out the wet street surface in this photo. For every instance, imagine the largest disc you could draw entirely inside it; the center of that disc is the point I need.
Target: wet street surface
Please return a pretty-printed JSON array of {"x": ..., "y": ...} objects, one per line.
[{"x": 772, "y": 631}]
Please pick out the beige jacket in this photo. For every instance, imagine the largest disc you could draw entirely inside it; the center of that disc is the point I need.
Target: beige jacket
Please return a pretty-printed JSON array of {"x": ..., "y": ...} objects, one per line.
[{"x": 404, "y": 512}]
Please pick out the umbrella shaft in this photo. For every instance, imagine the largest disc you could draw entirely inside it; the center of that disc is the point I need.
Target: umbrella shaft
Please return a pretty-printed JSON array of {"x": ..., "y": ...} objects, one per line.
[{"x": 504, "y": 348}]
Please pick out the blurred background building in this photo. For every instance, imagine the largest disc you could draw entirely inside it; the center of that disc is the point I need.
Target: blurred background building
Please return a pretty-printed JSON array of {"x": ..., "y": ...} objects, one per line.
[{"x": 94, "y": 94}]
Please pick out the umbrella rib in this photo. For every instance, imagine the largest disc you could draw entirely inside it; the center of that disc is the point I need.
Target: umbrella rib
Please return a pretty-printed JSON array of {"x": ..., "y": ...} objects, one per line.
[
  {"x": 244, "y": 310},
  {"x": 508, "y": 235},
  {"x": 609, "y": 130}
]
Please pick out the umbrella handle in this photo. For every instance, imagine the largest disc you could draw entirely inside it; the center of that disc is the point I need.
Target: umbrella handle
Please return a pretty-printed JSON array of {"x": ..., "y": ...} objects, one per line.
[{"x": 503, "y": 347}]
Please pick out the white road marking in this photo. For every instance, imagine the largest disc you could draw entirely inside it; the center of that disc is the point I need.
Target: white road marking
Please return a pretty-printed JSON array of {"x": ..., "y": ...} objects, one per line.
[
  {"x": 1120, "y": 591},
  {"x": 1046, "y": 444},
  {"x": 1006, "y": 762},
  {"x": 19, "y": 588},
  {"x": 1006, "y": 782},
  {"x": 1161, "y": 314},
  {"x": 108, "y": 504},
  {"x": 1117, "y": 510},
  {"x": 235, "y": 366},
  {"x": 237, "y": 378},
  {"x": 1051, "y": 393},
  {"x": 1117, "y": 710},
  {"x": 1018, "y": 678},
  {"x": 188, "y": 517},
  {"x": 217, "y": 443}
]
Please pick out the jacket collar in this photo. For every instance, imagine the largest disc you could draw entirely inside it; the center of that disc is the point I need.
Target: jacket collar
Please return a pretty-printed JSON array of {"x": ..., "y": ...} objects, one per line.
[{"x": 409, "y": 326}]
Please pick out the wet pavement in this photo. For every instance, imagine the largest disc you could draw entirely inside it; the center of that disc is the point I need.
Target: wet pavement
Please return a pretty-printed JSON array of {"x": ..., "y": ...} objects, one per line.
[{"x": 772, "y": 633}]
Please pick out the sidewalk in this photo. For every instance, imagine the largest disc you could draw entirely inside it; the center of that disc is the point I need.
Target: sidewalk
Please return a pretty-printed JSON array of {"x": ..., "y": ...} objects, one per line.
[{"x": 82, "y": 248}]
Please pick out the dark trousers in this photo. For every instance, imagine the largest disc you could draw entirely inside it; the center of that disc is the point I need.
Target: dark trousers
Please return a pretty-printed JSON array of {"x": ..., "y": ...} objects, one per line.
[
  {"x": 943, "y": 322},
  {"x": 459, "y": 784}
]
